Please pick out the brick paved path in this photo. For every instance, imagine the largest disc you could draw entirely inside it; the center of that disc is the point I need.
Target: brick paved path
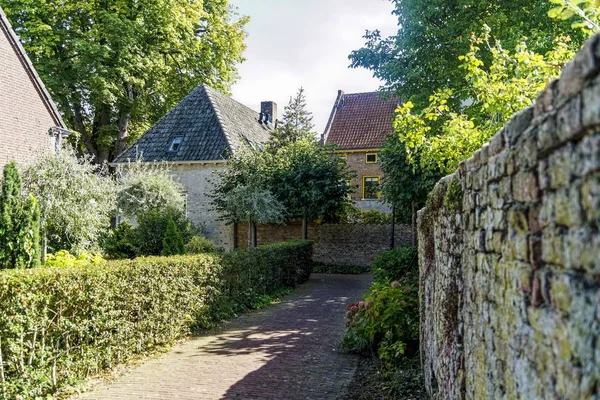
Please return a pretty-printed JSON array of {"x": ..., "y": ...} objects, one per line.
[{"x": 287, "y": 351}]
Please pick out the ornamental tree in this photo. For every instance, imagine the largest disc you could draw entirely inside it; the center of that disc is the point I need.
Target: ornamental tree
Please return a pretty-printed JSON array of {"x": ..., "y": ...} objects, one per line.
[
  {"x": 19, "y": 223},
  {"x": 310, "y": 180},
  {"x": 115, "y": 66},
  {"x": 142, "y": 187},
  {"x": 76, "y": 200},
  {"x": 296, "y": 123}
]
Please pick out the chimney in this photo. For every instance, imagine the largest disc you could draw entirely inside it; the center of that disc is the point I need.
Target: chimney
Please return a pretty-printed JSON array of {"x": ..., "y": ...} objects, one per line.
[{"x": 269, "y": 110}]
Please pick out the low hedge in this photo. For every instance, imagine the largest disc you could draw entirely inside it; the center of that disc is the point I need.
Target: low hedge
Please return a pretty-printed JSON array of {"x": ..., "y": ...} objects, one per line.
[{"x": 61, "y": 325}]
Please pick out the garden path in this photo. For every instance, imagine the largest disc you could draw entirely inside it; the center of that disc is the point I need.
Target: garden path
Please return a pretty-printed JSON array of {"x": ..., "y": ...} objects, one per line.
[{"x": 287, "y": 351}]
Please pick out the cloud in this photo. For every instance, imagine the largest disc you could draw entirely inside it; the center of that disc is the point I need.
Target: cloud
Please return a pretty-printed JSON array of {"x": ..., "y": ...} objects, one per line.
[{"x": 307, "y": 43}]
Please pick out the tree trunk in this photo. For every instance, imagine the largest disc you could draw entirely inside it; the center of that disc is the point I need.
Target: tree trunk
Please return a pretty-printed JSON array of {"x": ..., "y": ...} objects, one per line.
[
  {"x": 305, "y": 227},
  {"x": 393, "y": 238},
  {"x": 124, "y": 119},
  {"x": 414, "y": 222}
]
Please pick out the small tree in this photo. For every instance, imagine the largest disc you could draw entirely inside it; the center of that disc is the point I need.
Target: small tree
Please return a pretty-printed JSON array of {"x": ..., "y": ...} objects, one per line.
[
  {"x": 76, "y": 200},
  {"x": 19, "y": 223},
  {"x": 310, "y": 180},
  {"x": 296, "y": 124},
  {"x": 172, "y": 242},
  {"x": 242, "y": 193},
  {"x": 147, "y": 186}
]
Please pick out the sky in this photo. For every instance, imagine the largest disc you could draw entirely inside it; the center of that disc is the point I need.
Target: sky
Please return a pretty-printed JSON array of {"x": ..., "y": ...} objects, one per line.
[{"x": 293, "y": 43}]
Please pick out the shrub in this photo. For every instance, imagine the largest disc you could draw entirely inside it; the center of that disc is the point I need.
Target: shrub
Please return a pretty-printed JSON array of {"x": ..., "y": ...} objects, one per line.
[
  {"x": 119, "y": 243},
  {"x": 396, "y": 264},
  {"x": 172, "y": 241},
  {"x": 152, "y": 226},
  {"x": 386, "y": 322},
  {"x": 19, "y": 223},
  {"x": 199, "y": 245},
  {"x": 59, "y": 325},
  {"x": 375, "y": 217},
  {"x": 64, "y": 259}
]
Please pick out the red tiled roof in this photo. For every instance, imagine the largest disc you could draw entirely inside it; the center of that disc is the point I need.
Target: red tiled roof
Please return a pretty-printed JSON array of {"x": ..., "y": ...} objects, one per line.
[{"x": 361, "y": 120}]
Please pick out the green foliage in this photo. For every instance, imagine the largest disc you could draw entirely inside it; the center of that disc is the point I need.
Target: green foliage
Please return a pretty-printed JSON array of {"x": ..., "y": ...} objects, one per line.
[
  {"x": 199, "y": 245},
  {"x": 120, "y": 242},
  {"x": 387, "y": 321},
  {"x": 438, "y": 138},
  {"x": 375, "y": 217},
  {"x": 242, "y": 192},
  {"x": 147, "y": 186},
  {"x": 115, "y": 66},
  {"x": 76, "y": 200},
  {"x": 19, "y": 223},
  {"x": 296, "y": 124},
  {"x": 310, "y": 180},
  {"x": 172, "y": 241},
  {"x": 422, "y": 57},
  {"x": 152, "y": 227},
  {"x": 79, "y": 321},
  {"x": 396, "y": 265},
  {"x": 586, "y": 12},
  {"x": 64, "y": 259}
]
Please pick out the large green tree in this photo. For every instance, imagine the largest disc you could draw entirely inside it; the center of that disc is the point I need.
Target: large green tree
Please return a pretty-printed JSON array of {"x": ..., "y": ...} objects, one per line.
[
  {"x": 116, "y": 66},
  {"x": 422, "y": 56}
]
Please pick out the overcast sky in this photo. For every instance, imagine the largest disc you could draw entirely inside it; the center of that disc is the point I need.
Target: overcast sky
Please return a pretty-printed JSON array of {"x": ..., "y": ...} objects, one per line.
[{"x": 293, "y": 43}]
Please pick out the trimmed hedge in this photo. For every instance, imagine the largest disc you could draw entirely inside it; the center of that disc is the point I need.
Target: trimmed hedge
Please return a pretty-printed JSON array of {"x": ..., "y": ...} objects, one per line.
[{"x": 58, "y": 326}]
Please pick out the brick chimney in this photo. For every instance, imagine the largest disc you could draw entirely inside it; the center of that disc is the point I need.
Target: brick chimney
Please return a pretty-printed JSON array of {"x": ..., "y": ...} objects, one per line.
[{"x": 269, "y": 111}]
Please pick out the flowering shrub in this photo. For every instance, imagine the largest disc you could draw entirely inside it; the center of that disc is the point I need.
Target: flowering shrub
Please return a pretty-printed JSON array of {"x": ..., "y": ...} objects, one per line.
[{"x": 386, "y": 322}]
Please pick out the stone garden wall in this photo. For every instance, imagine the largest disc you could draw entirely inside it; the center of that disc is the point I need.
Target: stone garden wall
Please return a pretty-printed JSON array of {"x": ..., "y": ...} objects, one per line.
[
  {"x": 510, "y": 254},
  {"x": 335, "y": 244}
]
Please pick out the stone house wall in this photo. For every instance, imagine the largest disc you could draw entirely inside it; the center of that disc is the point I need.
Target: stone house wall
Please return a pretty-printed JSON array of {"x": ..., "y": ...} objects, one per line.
[
  {"x": 24, "y": 117},
  {"x": 335, "y": 244},
  {"x": 199, "y": 181},
  {"x": 509, "y": 254}
]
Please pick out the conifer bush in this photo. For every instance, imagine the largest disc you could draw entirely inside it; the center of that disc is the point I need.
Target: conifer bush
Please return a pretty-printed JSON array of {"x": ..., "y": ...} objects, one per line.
[{"x": 172, "y": 242}]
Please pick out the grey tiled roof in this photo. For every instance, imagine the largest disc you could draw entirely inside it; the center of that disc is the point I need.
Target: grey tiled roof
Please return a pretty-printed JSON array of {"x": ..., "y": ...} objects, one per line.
[{"x": 211, "y": 124}]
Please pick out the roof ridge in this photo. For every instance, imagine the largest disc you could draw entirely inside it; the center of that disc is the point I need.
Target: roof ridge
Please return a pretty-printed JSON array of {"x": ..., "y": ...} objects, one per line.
[
  {"x": 17, "y": 46},
  {"x": 374, "y": 92},
  {"x": 218, "y": 115}
]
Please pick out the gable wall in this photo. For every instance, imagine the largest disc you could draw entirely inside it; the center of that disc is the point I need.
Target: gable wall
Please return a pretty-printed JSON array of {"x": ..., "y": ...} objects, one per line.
[
  {"x": 357, "y": 162},
  {"x": 24, "y": 118},
  {"x": 199, "y": 181}
]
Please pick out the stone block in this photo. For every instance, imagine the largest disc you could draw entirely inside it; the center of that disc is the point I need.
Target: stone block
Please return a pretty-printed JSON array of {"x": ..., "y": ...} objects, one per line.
[
  {"x": 496, "y": 144},
  {"x": 590, "y": 113},
  {"x": 553, "y": 246},
  {"x": 525, "y": 187},
  {"x": 515, "y": 127},
  {"x": 497, "y": 167},
  {"x": 590, "y": 198},
  {"x": 526, "y": 157},
  {"x": 575, "y": 73},
  {"x": 544, "y": 102},
  {"x": 547, "y": 137},
  {"x": 568, "y": 120},
  {"x": 559, "y": 167}
]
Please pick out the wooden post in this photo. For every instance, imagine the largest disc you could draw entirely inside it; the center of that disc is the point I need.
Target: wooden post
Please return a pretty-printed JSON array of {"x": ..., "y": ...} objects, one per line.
[
  {"x": 305, "y": 227},
  {"x": 254, "y": 235},
  {"x": 393, "y": 239},
  {"x": 235, "y": 236}
]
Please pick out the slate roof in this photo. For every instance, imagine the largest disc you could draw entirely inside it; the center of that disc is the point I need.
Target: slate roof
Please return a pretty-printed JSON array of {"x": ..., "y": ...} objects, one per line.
[
  {"x": 212, "y": 125},
  {"x": 360, "y": 120},
  {"x": 35, "y": 79}
]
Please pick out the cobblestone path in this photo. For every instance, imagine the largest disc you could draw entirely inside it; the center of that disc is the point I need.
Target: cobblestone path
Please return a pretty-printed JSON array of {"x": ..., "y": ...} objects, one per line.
[{"x": 287, "y": 351}]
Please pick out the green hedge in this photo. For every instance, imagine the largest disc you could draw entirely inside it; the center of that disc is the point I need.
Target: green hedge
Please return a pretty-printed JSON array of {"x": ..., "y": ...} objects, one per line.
[{"x": 58, "y": 326}]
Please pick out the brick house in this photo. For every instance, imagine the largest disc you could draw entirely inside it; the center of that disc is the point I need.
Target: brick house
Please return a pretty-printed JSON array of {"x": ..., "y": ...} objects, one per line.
[
  {"x": 359, "y": 124},
  {"x": 196, "y": 138},
  {"x": 30, "y": 122}
]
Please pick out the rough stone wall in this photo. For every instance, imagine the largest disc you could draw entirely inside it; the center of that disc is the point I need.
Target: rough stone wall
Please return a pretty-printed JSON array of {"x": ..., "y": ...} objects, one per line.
[
  {"x": 335, "y": 244},
  {"x": 510, "y": 254},
  {"x": 199, "y": 180},
  {"x": 24, "y": 118}
]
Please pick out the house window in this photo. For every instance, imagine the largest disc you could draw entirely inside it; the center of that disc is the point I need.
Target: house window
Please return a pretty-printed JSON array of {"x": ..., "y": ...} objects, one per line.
[
  {"x": 371, "y": 187},
  {"x": 371, "y": 158},
  {"x": 176, "y": 143}
]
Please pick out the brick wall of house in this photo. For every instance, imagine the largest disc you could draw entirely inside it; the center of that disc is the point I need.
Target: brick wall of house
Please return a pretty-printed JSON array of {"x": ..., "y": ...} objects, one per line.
[
  {"x": 199, "y": 180},
  {"x": 24, "y": 118},
  {"x": 335, "y": 244},
  {"x": 357, "y": 162}
]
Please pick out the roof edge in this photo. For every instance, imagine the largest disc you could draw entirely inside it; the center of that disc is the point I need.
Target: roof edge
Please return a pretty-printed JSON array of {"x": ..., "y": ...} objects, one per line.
[
  {"x": 15, "y": 43},
  {"x": 219, "y": 117},
  {"x": 332, "y": 116}
]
